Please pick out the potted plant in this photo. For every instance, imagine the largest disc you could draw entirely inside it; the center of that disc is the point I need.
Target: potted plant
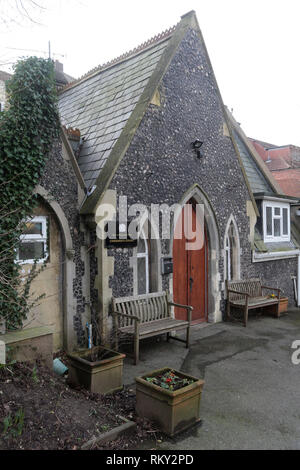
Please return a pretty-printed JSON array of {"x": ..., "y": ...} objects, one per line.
[
  {"x": 170, "y": 398},
  {"x": 98, "y": 369}
]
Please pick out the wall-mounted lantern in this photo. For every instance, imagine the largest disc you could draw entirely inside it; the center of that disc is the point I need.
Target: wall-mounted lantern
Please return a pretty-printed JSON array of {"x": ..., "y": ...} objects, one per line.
[{"x": 197, "y": 146}]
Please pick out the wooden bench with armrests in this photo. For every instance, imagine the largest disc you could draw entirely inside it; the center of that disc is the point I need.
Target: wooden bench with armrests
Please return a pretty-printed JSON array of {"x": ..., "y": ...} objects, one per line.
[
  {"x": 249, "y": 294},
  {"x": 143, "y": 316}
]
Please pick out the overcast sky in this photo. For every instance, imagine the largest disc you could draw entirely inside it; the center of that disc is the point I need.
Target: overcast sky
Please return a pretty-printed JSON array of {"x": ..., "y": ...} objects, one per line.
[{"x": 253, "y": 46}]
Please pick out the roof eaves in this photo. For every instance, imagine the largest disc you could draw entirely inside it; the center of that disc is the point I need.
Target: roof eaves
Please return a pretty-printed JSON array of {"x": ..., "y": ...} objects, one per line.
[{"x": 266, "y": 195}]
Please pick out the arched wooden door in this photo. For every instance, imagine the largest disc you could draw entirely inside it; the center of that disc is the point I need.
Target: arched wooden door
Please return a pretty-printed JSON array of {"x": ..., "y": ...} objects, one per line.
[{"x": 190, "y": 267}]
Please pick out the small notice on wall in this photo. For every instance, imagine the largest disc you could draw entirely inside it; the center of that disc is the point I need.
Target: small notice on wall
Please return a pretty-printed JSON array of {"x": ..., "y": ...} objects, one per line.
[{"x": 120, "y": 235}]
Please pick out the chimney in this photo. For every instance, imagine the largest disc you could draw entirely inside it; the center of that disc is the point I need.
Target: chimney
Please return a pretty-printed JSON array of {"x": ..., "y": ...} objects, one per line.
[
  {"x": 58, "y": 66},
  {"x": 61, "y": 78}
]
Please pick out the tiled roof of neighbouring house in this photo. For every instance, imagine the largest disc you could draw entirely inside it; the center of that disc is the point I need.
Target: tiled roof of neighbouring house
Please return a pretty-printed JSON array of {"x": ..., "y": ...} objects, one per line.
[
  {"x": 101, "y": 102},
  {"x": 277, "y": 164},
  {"x": 289, "y": 181},
  {"x": 265, "y": 145}
]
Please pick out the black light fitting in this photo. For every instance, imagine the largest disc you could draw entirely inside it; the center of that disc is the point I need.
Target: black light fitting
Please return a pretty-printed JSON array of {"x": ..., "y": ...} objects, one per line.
[{"x": 197, "y": 146}]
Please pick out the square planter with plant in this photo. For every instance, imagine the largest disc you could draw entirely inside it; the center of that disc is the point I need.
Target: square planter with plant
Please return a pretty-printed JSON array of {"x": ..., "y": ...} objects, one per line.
[
  {"x": 98, "y": 369},
  {"x": 169, "y": 398}
]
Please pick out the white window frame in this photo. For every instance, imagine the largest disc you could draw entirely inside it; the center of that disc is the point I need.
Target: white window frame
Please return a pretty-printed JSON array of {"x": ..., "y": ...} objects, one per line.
[
  {"x": 35, "y": 238},
  {"x": 227, "y": 259},
  {"x": 145, "y": 255},
  {"x": 282, "y": 237},
  {"x": 231, "y": 254}
]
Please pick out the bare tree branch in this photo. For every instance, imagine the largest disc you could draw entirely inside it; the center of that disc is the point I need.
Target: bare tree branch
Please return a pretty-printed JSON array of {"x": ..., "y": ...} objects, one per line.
[{"x": 20, "y": 12}]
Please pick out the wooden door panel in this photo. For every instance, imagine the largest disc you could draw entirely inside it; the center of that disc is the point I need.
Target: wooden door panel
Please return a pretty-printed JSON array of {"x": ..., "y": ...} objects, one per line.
[
  {"x": 180, "y": 272},
  {"x": 190, "y": 273},
  {"x": 197, "y": 275}
]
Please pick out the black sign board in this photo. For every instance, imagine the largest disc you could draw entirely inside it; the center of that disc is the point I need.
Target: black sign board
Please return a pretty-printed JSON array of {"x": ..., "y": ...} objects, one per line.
[{"x": 118, "y": 235}]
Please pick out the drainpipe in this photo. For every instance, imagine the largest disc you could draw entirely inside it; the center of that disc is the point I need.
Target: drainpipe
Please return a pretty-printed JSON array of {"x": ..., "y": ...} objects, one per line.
[{"x": 90, "y": 335}]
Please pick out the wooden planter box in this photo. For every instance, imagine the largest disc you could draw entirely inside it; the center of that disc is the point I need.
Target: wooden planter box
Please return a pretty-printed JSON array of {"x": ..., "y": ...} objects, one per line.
[
  {"x": 283, "y": 304},
  {"x": 173, "y": 411},
  {"x": 29, "y": 345},
  {"x": 103, "y": 376}
]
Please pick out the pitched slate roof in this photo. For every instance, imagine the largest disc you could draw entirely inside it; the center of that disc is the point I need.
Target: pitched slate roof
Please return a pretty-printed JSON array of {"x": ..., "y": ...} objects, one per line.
[
  {"x": 101, "y": 102},
  {"x": 258, "y": 176},
  {"x": 258, "y": 182}
]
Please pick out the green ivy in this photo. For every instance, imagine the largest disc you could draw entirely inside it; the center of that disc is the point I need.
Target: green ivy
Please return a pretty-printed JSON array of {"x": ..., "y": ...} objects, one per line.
[{"x": 27, "y": 131}]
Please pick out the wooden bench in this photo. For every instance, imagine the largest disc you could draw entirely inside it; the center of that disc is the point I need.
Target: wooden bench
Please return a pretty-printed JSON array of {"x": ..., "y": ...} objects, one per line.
[
  {"x": 143, "y": 316},
  {"x": 248, "y": 294}
]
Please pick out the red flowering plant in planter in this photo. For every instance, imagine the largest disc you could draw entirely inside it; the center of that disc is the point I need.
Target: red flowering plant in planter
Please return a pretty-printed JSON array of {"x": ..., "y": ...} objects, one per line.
[
  {"x": 170, "y": 398},
  {"x": 170, "y": 381}
]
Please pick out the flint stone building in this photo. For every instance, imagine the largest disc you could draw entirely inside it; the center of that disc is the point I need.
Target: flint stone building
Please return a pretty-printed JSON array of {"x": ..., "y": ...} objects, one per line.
[{"x": 133, "y": 127}]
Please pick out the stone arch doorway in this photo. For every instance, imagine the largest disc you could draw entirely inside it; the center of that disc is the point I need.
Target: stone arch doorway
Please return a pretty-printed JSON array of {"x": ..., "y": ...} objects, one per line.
[
  {"x": 66, "y": 274},
  {"x": 42, "y": 241},
  {"x": 209, "y": 258}
]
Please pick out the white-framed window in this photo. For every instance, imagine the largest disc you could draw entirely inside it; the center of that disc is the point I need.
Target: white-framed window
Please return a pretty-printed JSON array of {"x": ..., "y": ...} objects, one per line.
[
  {"x": 142, "y": 254},
  {"x": 276, "y": 221},
  {"x": 33, "y": 241},
  {"x": 229, "y": 262},
  {"x": 232, "y": 252}
]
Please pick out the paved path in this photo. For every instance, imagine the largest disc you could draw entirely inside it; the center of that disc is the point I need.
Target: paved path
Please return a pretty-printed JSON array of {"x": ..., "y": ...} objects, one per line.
[{"x": 251, "y": 397}]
